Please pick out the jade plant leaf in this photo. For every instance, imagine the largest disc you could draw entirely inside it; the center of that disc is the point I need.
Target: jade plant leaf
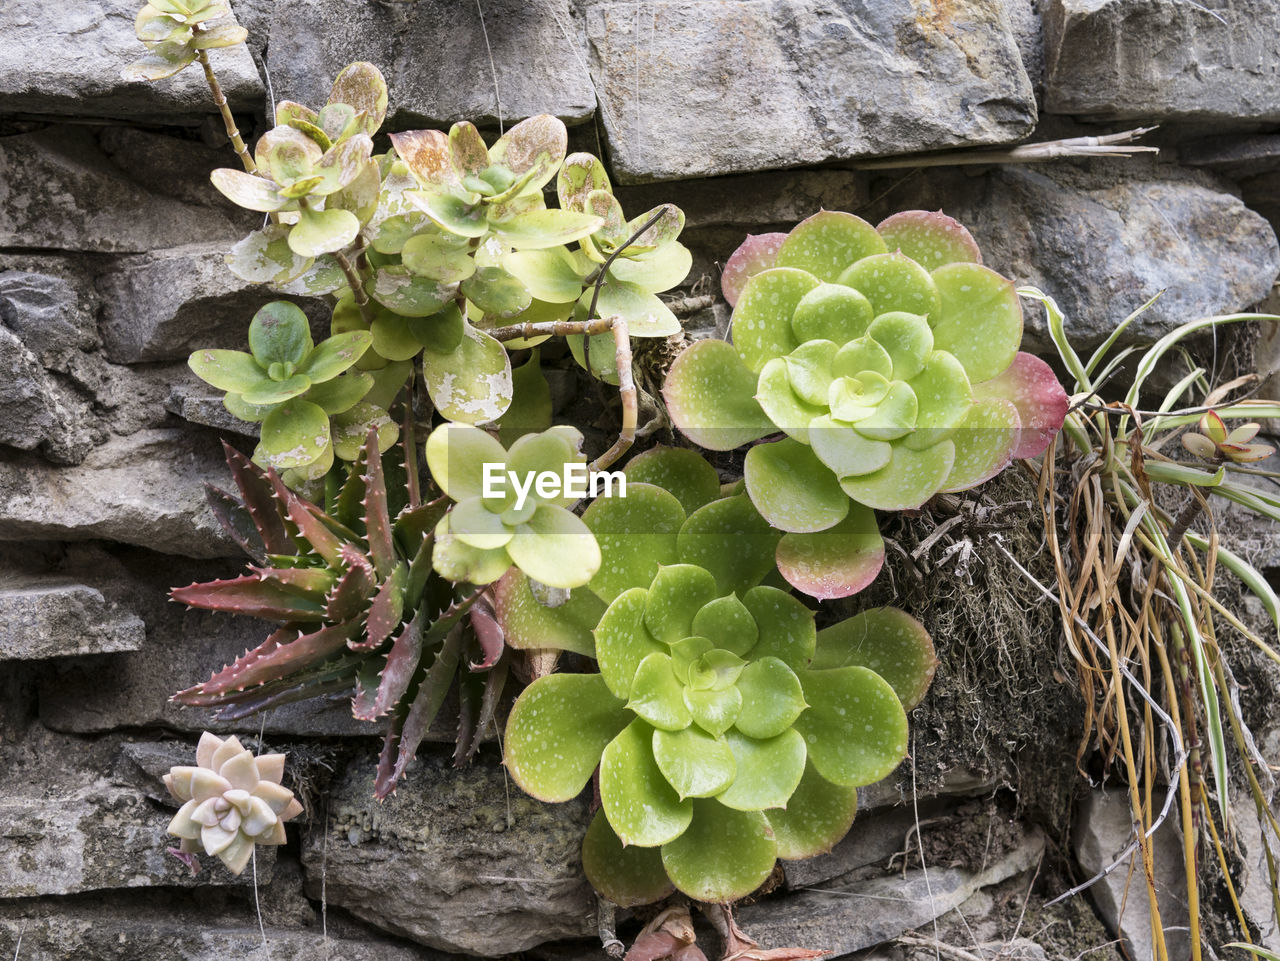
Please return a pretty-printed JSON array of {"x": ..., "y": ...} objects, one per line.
[
  {"x": 471, "y": 383},
  {"x": 293, "y": 435}
]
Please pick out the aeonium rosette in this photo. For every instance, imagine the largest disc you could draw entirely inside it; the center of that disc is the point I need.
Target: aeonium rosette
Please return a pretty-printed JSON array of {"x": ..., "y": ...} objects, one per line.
[
  {"x": 727, "y": 730},
  {"x": 887, "y": 355}
]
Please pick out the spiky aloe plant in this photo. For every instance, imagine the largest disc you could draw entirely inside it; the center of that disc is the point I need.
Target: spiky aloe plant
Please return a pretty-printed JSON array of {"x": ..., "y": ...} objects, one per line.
[
  {"x": 359, "y": 607},
  {"x": 727, "y": 730},
  {"x": 887, "y": 356}
]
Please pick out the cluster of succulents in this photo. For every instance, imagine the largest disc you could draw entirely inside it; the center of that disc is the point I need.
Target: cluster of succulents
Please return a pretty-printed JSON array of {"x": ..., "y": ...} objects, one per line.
[
  {"x": 726, "y": 730},
  {"x": 723, "y": 730},
  {"x": 231, "y": 801},
  {"x": 358, "y": 605},
  {"x": 886, "y": 356},
  {"x": 1214, "y": 441}
]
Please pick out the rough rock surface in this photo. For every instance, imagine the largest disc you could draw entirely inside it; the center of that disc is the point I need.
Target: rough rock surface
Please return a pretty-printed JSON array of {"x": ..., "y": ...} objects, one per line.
[
  {"x": 144, "y": 489},
  {"x": 803, "y": 81},
  {"x": 1103, "y": 241},
  {"x": 59, "y": 190},
  {"x": 455, "y": 859},
  {"x": 1104, "y": 828},
  {"x": 439, "y": 63},
  {"x": 163, "y": 305},
  {"x": 1163, "y": 60},
  {"x": 70, "y": 63},
  {"x": 54, "y": 617}
]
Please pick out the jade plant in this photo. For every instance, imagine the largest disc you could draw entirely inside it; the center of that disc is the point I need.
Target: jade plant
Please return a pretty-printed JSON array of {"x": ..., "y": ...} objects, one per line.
[
  {"x": 305, "y": 395},
  {"x": 886, "y": 356},
  {"x": 177, "y": 32},
  {"x": 231, "y": 801},
  {"x": 727, "y": 730}
]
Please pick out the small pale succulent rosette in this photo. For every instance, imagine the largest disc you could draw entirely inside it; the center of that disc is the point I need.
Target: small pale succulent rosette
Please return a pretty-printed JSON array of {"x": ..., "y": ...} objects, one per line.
[
  {"x": 887, "y": 356},
  {"x": 232, "y": 800}
]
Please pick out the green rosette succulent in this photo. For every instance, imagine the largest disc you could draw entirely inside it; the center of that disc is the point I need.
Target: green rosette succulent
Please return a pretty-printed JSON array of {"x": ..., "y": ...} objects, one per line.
[
  {"x": 728, "y": 732},
  {"x": 503, "y": 514},
  {"x": 307, "y": 398},
  {"x": 887, "y": 355},
  {"x": 176, "y": 31}
]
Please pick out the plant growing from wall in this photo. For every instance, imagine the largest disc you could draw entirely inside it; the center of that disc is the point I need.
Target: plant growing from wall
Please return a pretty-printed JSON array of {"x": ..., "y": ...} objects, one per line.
[
  {"x": 887, "y": 356},
  {"x": 727, "y": 731},
  {"x": 1136, "y": 589}
]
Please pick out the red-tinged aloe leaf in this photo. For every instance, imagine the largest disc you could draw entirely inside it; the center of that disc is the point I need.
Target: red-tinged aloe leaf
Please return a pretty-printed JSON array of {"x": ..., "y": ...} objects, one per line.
[
  {"x": 252, "y": 596},
  {"x": 385, "y": 611},
  {"x": 470, "y": 690},
  {"x": 756, "y": 253},
  {"x": 350, "y": 596},
  {"x": 311, "y": 529},
  {"x": 310, "y": 582},
  {"x": 349, "y": 506},
  {"x": 234, "y": 518},
  {"x": 300, "y": 692},
  {"x": 837, "y": 562},
  {"x": 489, "y": 635},
  {"x": 1031, "y": 386},
  {"x": 260, "y": 501},
  {"x": 229, "y": 677},
  {"x": 384, "y": 782},
  {"x": 495, "y": 682},
  {"x": 362, "y": 702},
  {"x": 426, "y": 704},
  {"x": 377, "y": 522},
  {"x": 418, "y": 522},
  {"x": 274, "y": 659},
  {"x": 400, "y": 668},
  {"x": 930, "y": 238}
]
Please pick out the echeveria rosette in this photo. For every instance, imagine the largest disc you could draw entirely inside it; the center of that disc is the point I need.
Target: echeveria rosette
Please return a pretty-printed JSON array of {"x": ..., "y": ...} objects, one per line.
[
  {"x": 728, "y": 732},
  {"x": 175, "y": 31},
  {"x": 888, "y": 356},
  {"x": 231, "y": 800},
  {"x": 483, "y": 536},
  {"x": 294, "y": 387}
]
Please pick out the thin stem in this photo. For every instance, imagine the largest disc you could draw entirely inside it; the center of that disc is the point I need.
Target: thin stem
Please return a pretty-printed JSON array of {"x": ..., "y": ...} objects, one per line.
[
  {"x": 410, "y": 440},
  {"x": 552, "y": 328},
  {"x": 228, "y": 121},
  {"x": 630, "y": 402},
  {"x": 604, "y": 268},
  {"x": 356, "y": 283}
]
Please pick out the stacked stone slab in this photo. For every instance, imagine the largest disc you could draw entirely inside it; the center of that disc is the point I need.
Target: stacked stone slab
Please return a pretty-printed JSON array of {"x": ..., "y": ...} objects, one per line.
[{"x": 749, "y": 115}]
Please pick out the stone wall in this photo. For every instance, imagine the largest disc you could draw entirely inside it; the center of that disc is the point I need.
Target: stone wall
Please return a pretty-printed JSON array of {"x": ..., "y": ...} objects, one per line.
[{"x": 750, "y": 114}]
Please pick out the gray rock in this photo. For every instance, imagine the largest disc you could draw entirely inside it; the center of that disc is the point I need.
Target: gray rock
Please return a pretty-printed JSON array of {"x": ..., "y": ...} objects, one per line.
[
  {"x": 1163, "y": 60},
  {"x": 163, "y": 931},
  {"x": 54, "y": 617},
  {"x": 872, "y": 839},
  {"x": 144, "y": 489},
  {"x": 436, "y": 57},
  {"x": 457, "y": 859},
  {"x": 1103, "y": 829},
  {"x": 195, "y": 405},
  {"x": 696, "y": 89},
  {"x": 52, "y": 317},
  {"x": 1235, "y": 156},
  {"x": 59, "y": 190},
  {"x": 70, "y": 64},
  {"x": 850, "y": 915},
  {"x": 751, "y": 201},
  {"x": 1101, "y": 243},
  {"x": 165, "y": 304}
]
